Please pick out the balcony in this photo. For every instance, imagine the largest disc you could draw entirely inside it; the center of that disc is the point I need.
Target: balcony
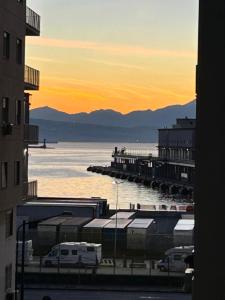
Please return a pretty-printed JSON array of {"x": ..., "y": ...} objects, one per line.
[
  {"x": 30, "y": 190},
  {"x": 32, "y": 23},
  {"x": 31, "y": 79},
  {"x": 31, "y": 134}
]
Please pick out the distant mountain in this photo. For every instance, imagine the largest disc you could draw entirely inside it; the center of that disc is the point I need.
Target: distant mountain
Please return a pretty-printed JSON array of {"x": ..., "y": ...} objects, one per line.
[
  {"x": 163, "y": 117},
  {"x": 66, "y": 131}
]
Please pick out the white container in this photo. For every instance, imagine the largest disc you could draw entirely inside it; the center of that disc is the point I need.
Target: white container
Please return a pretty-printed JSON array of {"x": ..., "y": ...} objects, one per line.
[
  {"x": 139, "y": 234},
  {"x": 28, "y": 252},
  {"x": 183, "y": 233}
]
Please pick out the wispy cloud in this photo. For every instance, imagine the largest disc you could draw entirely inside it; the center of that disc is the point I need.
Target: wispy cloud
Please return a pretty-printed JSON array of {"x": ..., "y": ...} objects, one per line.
[
  {"x": 113, "y": 64},
  {"x": 109, "y": 48}
]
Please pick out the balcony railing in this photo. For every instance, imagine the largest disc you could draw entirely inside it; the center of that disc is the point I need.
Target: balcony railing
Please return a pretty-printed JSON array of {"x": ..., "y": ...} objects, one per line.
[
  {"x": 32, "y": 23},
  {"x": 30, "y": 190},
  {"x": 132, "y": 154},
  {"x": 31, "y": 134},
  {"x": 31, "y": 78}
]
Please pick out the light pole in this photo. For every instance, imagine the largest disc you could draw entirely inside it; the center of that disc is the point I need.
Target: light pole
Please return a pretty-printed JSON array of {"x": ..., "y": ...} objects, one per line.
[{"x": 115, "y": 232}]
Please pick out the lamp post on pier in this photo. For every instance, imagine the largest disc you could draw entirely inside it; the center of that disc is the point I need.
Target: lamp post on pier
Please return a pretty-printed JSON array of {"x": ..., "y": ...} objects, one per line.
[{"x": 115, "y": 232}]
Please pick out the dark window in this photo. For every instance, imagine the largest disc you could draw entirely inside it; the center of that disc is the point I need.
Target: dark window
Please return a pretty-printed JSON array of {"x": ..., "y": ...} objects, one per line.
[
  {"x": 90, "y": 249},
  {"x": 19, "y": 51},
  {"x": 4, "y": 174},
  {"x": 64, "y": 252},
  {"x": 5, "y": 110},
  {"x": 53, "y": 253},
  {"x": 6, "y": 45},
  {"x": 177, "y": 257},
  {"x": 18, "y": 112},
  {"x": 8, "y": 277},
  {"x": 9, "y": 223},
  {"x": 17, "y": 172},
  {"x": 74, "y": 252}
]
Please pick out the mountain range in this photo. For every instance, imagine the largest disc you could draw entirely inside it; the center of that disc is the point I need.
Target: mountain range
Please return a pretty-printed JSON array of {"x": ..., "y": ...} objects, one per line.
[{"x": 107, "y": 125}]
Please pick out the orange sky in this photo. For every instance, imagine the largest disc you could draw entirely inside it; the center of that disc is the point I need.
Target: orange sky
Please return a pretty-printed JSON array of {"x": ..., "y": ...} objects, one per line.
[{"x": 123, "y": 70}]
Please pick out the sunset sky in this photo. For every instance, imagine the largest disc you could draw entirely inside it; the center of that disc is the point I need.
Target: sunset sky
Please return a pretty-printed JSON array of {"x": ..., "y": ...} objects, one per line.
[{"x": 114, "y": 54}]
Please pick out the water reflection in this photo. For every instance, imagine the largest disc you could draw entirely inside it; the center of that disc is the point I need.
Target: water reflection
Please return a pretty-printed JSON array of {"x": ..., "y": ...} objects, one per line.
[{"x": 61, "y": 172}]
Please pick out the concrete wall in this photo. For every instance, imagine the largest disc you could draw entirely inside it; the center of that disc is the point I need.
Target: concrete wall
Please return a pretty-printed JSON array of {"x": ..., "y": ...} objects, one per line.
[{"x": 7, "y": 252}]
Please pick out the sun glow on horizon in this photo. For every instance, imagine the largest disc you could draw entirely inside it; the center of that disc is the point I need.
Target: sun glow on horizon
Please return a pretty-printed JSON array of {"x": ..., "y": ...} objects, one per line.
[{"x": 88, "y": 64}]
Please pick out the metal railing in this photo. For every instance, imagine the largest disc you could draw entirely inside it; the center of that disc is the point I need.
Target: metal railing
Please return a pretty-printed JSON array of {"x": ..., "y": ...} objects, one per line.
[
  {"x": 31, "y": 78},
  {"x": 31, "y": 134},
  {"x": 33, "y": 21},
  {"x": 30, "y": 190},
  {"x": 132, "y": 153}
]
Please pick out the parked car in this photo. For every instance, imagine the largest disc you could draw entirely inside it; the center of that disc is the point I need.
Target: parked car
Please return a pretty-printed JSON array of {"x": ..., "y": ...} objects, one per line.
[
  {"x": 74, "y": 254},
  {"x": 174, "y": 259}
]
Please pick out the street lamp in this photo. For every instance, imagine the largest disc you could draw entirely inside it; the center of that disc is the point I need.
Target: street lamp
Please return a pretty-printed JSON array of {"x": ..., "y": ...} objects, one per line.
[{"x": 115, "y": 232}]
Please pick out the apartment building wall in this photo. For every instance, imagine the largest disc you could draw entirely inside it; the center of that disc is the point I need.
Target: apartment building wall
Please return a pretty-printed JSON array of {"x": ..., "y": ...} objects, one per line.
[{"x": 12, "y": 25}]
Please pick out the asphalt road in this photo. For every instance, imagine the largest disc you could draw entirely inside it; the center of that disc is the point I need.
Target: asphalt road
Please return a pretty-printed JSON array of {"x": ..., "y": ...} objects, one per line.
[{"x": 96, "y": 295}]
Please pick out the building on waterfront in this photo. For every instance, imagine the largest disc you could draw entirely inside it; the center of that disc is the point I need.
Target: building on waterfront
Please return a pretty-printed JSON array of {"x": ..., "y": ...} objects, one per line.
[
  {"x": 176, "y": 152},
  {"x": 174, "y": 167},
  {"x": 16, "y": 133}
]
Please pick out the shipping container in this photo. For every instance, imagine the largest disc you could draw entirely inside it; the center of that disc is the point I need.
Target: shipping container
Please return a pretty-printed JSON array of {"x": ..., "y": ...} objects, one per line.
[
  {"x": 48, "y": 233},
  {"x": 183, "y": 234},
  {"x": 92, "y": 232},
  {"x": 70, "y": 229},
  {"x": 120, "y": 226},
  {"x": 101, "y": 202},
  {"x": 123, "y": 215},
  {"x": 139, "y": 233},
  {"x": 43, "y": 210}
]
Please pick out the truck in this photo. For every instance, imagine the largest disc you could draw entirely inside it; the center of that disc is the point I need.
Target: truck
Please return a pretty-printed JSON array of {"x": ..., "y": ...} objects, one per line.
[
  {"x": 174, "y": 260},
  {"x": 74, "y": 254}
]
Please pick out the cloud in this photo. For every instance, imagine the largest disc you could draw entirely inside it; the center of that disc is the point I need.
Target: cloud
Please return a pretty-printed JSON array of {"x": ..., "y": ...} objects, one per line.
[
  {"x": 109, "y": 48},
  {"x": 113, "y": 64}
]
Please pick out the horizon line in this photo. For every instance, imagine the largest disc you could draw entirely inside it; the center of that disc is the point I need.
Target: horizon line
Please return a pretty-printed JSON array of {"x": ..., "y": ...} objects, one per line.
[{"x": 105, "y": 109}]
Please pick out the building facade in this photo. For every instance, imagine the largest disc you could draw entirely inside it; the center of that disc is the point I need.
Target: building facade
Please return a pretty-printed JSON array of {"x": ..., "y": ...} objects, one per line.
[
  {"x": 16, "y": 133},
  {"x": 176, "y": 148},
  {"x": 173, "y": 170}
]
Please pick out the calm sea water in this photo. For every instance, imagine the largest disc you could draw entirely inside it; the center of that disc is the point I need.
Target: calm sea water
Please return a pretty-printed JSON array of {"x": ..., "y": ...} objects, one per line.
[{"x": 61, "y": 172}]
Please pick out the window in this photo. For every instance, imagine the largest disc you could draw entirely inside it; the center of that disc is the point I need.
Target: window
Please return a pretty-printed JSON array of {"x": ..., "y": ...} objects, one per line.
[
  {"x": 74, "y": 252},
  {"x": 53, "y": 253},
  {"x": 90, "y": 249},
  {"x": 5, "y": 110},
  {"x": 19, "y": 51},
  {"x": 8, "y": 277},
  {"x": 64, "y": 252},
  {"x": 9, "y": 223},
  {"x": 17, "y": 172},
  {"x": 6, "y": 45},
  {"x": 4, "y": 175},
  {"x": 18, "y": 112},
  {"x": 177, "y": 257}
]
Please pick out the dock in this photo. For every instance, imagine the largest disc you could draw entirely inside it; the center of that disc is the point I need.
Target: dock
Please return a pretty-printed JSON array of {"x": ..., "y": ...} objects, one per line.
[{"x": 165, "y": 186}]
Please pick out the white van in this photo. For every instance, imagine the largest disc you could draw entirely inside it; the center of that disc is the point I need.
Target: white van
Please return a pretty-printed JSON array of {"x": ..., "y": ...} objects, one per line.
[
  {"x": 74, "y": 253},
  {"x": 174, "y": 259}
]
